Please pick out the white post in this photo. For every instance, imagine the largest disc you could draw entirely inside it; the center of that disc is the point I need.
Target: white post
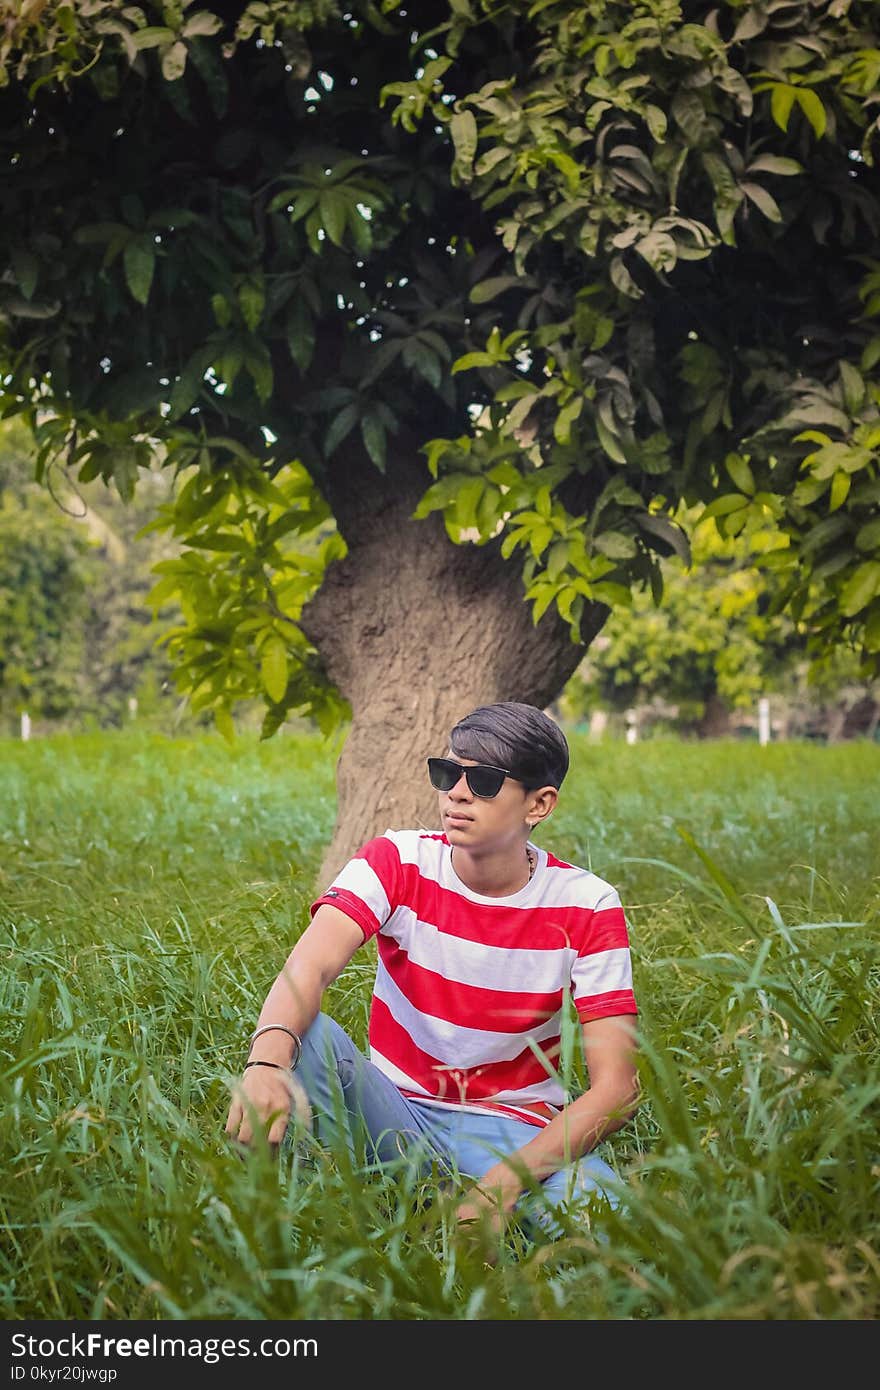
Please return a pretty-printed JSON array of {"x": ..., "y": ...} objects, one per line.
[
  {"x": 25, "y": 724},
  {"x": 132, "y": 705},
  {"x": 763, "y": 720},
  {"x": 598, "y": 723},
  {"x": 632, "y": 726}
]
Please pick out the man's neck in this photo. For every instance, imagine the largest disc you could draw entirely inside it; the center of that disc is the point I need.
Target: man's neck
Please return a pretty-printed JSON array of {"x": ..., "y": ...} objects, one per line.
[{"x": 495, "y": 875}]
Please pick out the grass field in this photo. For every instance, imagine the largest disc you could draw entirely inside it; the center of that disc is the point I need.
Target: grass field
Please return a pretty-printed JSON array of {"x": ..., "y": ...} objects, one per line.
[{"x": 151, "y": 888}]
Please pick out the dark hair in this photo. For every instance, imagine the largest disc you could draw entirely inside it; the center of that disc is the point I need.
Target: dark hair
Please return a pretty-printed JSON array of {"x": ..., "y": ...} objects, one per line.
[{"x": 519, "y": 737}]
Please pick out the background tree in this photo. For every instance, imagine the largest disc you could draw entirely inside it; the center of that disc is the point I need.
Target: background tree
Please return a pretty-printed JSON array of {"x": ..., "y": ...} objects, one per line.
[
  {"x": 581, "y": 260},
  {"x": 44, "y": 572},
  {"x": 77, "y": 638},
  {"x": 701, "y": 661}
]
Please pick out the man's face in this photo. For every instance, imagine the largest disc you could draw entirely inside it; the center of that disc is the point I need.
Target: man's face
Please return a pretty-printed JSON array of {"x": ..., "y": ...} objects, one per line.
[{"x": 480, "y": 823}]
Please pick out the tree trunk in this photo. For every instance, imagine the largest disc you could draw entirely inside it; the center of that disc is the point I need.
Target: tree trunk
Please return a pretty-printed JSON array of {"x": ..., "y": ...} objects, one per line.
[
  {"x": 715, "y": 722},
  {"x": 415, "y": 632}
]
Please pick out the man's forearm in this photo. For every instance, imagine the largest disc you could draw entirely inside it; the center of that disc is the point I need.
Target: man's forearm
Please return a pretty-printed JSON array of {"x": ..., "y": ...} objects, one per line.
[
  {"x": 570, "y": 1135},
  {"x": 293, "y": 1001},
  {"x": 316, "y": 960}
]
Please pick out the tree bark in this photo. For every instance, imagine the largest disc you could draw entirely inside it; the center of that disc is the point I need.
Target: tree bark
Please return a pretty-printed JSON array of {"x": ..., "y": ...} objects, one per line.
[
  {"x": 715, "y": 722},
  {"x": 415, "y": 632}
]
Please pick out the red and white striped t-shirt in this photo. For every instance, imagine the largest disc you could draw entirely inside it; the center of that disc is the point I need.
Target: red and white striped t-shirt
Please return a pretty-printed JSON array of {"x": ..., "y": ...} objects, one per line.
[{"x": 467, "y": 1003}]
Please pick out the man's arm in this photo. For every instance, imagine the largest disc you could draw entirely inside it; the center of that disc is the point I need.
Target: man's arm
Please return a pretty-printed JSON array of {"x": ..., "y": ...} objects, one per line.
[
  {"x": 610, "y": 1050},
  {"x": 321, "y": 954}
]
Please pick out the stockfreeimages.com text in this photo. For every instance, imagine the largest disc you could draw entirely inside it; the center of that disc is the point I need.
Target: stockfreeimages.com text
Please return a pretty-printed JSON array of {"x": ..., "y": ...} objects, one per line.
[{"x": 208, "y": 1349}]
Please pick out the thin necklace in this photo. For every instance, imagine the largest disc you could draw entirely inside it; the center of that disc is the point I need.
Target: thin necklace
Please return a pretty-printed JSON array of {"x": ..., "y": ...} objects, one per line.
[{"x": 532, "y": 860}]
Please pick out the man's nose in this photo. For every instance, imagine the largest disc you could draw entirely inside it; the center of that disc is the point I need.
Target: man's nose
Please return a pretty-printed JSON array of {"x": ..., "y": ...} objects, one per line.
[{"x": 461, "y": 788}]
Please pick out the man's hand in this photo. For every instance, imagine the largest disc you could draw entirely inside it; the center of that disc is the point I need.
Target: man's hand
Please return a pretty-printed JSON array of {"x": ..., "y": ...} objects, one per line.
[
  {"x": 487, "y": 1207},
  {"x": 481, "y": 1208},
  {"x": 268, "y": 1098}
]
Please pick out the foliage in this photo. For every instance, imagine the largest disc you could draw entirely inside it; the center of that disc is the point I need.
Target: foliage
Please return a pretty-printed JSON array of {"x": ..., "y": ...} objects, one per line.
[
  {"x": 593, "y": 259},
  {"x": 77, "y": 639},
  {"x": 152, "y": 887},
  {"x": 707, "y": 194},
  {"x": 44, "y": 577},
  {"x": 715, "y": 636},
  {"x": 239, "y": 620}
]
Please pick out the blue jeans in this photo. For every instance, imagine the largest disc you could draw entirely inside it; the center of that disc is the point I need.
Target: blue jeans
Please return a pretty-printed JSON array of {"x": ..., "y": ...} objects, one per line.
[{"x": 353, "y": 1100}]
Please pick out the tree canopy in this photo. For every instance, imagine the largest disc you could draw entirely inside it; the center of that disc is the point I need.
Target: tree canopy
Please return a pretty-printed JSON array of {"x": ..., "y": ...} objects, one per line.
[{"x": 544, "y": 270}]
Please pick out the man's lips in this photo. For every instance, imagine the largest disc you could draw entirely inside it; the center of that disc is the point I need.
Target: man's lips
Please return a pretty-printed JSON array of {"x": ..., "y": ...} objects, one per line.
[{"x": 457, "y": 817}]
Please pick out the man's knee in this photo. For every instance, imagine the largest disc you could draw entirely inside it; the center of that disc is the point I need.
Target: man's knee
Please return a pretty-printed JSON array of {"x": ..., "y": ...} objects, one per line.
[{"x": 326, "y": 1048}]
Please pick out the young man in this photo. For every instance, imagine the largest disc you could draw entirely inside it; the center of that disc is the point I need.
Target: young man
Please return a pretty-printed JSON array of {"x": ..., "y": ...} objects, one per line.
[{"x": 482, "y": 936}]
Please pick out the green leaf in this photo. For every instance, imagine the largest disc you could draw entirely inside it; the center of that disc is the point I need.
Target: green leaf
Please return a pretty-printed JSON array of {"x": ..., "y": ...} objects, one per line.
[
  {"x": 668, "y": 531},
  {"x": 421, "y": 359},
  {"x": 872, "y": 628},
  {"x": 202, "y": 22},
  {"x": 868, "y": 536},
  {"x": 463, "y": 127},
  {"x": 342, "y": 426},
  {"x": 615, "y": 545},
  {"x": 252, "y": 301},
  {"x": 26, "y": 268},
  {"x": 612, "y": 594},
  {"x": 488, "y": 161},
  {"x": 139, "y": 259},
  {"x": 723, "y": 506},
  {"x": 224, "y": 723},
  {"x": 221, "y": 310},
  {"x": 741, "y": 473},
  {"x": 860, "y": 588},
  {"x": 174, "y": 61},
  {"x": 564, "y": 420},
  {"x": 775, "y": 164},
  {"x": 659, "y": 250},
  {"x": 656, "y": 121},
  {"x": 689, "y": 113},
  {"x": 258, "y": 363},
  {"x": 220, "y": 541},
  {"x": 228, "y": 363},
  {"x": 870, "y": 355},
  {"x": 473, "y": 359},
  {"x": 543, "y": 602},
  {"x": 763, "y": 200},
  {"x": 840, "y": 485},
  {"x": 622, "y": 280},
  {"x": 373, "y": 434},
  {"x": 300, "y": 335},
  {"x": 490, "y": 289},
  {"x": 333, "y": 208},
  {"x": 853, "y": 387},
  {"x": 610, "y": 443},
  {"x": 154, "y": 36},
  {"x": 781, "y": 101},
  {"x": 273, "y": 667},
  {"x": 823, "y": 533},
  {"x": 813, "y": 110},
  {"x": 186, "y": 390},
  {"x": 466, "y": 502}
]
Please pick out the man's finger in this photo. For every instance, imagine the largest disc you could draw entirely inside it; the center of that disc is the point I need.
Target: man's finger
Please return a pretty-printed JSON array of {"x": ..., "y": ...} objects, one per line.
[{"x": 277, "y": 1131}]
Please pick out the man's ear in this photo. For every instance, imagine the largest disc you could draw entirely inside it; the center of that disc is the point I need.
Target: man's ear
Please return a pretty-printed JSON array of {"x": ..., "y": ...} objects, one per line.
[{"x": 541, "y": 803}]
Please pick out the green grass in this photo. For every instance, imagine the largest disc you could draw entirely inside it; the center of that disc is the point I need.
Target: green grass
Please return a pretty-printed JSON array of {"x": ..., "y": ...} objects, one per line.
[{"x": 150, "y": 889}]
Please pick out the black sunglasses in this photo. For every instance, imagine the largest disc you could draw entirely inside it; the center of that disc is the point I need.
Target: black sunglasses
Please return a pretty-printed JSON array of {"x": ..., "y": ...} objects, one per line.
[{"x": 484, "y": 780}]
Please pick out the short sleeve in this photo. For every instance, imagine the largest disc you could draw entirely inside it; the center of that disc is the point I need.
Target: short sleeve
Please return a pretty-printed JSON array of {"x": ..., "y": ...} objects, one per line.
[
  {"x": 367, "y": 887},
  {"x": 601, "y": 976}
]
